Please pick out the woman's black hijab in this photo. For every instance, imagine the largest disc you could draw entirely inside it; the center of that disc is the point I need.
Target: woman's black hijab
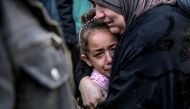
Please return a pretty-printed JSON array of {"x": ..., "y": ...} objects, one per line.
[{"x": 131, "y": 9}]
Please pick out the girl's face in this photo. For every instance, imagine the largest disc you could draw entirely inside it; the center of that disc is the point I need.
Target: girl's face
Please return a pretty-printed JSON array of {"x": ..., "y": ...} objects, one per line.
[
  {"x": 101, "y": 45},
  {"x": 115, "y": 21}
]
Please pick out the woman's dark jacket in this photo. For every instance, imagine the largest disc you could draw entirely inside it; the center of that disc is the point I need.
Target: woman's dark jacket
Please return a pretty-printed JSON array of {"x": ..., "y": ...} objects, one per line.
[{"x": 151, "y": 64}]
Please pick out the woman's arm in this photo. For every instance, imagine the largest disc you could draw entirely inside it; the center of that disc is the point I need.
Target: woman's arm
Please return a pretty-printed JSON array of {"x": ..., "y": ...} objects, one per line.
[{"x": 91, "y": 92}]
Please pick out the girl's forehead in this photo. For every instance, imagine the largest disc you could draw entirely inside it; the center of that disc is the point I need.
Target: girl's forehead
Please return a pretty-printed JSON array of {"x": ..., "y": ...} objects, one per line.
[
  {"x": 100, "y": 35},
  {"x": 100, "y": 31}
]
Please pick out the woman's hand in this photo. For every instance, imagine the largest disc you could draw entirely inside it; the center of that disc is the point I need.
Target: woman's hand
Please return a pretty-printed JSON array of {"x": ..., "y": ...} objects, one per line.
[{"x": 91, "y": 93}]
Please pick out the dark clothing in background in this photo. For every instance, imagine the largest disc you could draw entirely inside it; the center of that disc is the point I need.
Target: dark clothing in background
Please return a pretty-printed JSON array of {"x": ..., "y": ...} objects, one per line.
[
  {"x": 35, "y": 65},
  {"x": 66, "y": 21},
  {"x": 67, "y": 24},
  {"x": 51, "y": 8},
  {"x": 61, "y": 12}
]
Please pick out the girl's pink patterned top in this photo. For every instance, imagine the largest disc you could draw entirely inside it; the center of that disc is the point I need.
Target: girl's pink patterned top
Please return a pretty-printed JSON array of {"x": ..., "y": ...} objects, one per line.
[{"x": 100, "y": 79}]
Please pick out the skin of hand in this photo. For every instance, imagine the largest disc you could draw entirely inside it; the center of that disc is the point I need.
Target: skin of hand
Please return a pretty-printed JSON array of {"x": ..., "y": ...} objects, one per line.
[{"x": 91, "y": 92}]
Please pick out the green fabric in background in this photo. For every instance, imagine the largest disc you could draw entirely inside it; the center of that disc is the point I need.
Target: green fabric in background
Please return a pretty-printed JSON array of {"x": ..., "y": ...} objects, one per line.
[{"x": 79, "y": 8}]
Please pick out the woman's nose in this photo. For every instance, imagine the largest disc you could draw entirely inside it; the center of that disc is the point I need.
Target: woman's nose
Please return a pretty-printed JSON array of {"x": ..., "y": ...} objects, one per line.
[{"x": 99, "y": 14}]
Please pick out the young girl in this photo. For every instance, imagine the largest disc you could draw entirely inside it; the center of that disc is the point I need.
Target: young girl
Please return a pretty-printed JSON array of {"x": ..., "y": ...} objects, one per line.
[{"x": 97, "y": 46}]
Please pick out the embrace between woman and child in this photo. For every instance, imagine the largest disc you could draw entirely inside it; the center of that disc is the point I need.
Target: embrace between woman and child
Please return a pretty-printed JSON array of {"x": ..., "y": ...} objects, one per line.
[{"x": 149, "y": 43}]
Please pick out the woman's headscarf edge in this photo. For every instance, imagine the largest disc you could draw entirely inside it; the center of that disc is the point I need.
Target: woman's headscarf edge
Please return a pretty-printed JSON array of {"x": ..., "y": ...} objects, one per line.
[
  {"x": 131, "y": 9},
  {"x": 111, "y": 4}
]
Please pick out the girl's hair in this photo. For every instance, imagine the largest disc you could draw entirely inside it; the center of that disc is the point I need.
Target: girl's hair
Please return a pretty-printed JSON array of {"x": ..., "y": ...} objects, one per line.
[{"x": 89, "y": 25}]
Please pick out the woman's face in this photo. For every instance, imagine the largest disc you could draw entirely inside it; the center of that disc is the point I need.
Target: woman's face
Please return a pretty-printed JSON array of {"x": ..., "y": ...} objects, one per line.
[
  {"x": 115, "y": 21},
  {"x": 101, "y": 45}
]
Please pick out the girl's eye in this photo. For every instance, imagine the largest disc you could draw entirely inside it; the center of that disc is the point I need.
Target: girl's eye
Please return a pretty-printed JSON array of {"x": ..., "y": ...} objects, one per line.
[
  {"x": 113, "y": 50},
  {"x": 99, "y": 54}
]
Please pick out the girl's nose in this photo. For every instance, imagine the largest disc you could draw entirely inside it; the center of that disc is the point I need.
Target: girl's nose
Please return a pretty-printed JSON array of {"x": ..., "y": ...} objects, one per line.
[{"x": 109, "y": 57}]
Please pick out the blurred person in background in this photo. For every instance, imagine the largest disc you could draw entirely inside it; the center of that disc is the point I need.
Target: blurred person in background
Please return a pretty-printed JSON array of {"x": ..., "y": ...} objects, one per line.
[{"x": 35, "y": 63}]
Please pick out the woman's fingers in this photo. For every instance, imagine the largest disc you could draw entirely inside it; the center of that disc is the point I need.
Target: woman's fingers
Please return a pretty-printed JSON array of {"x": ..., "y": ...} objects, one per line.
[{"x": 91, "y": 93}]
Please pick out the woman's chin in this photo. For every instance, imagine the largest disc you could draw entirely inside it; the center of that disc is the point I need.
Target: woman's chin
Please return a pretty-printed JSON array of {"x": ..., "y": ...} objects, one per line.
[{"x": 115, "y": 30}]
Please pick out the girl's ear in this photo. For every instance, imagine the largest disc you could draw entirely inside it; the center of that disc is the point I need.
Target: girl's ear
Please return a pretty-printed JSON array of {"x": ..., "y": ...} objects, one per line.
[{"x": 86, "y": 59}]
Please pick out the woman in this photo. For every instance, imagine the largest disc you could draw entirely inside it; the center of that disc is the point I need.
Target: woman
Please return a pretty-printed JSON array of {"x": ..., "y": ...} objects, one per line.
[{"x": 151, "y": 58}]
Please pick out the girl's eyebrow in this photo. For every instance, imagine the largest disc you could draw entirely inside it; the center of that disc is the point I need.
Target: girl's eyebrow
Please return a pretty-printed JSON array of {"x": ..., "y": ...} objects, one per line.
[
  {"x": 113, "y": 44},
  {"x": 101, "y": 49},
  {"x": 97, "y": 50}
]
